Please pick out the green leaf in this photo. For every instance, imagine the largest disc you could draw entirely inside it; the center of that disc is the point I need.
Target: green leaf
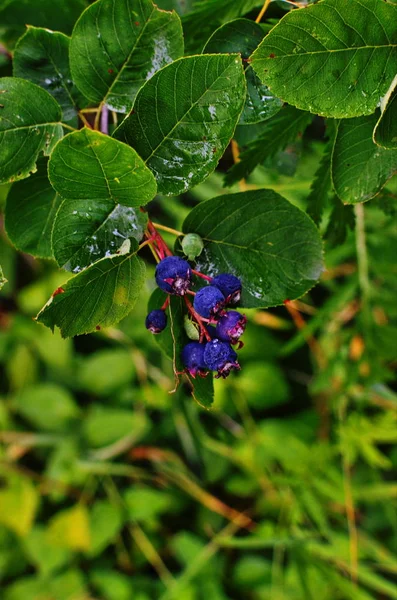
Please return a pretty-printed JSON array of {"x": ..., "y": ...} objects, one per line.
[
  {"x": 95, "y": 174},
  {"x": 19, "y": 501},
  {"x": 243, "y": 36},
  {"x": 47, "y": 406},
  {"x": 103, "y": 426},
  {"x": 326, "y": 59},
  {"x": 45, "y": 556},
  {"x": 320, "y": 187},
  {"x": 207, "y": 14},
  {"x": 259, "y": 236},
  {"x": 118, "y": 44},
  {"x": 29, "y": 124},
  {"x": 184, "y": 118},
  {"x": 203, "y": 390},
  {"x": 105, "y": 523},
  {"x": 70, "y": 528},
  {"x": 3, "y": 280},
  {"x": 106, "y": 371},
  {"x": 143, "y": 503},
  {"x": 35, "y": 201},
  {"x": 275, "y": 135},
  {"x": 172, "y": 339},
  {"x": 98, "y": 297},
  {"x": 42, "y": 56},
  {"x": 340, "y": 221},
  {"x": 59, "y": 16},
  {"x": 385, "y": 132},
  {"x": 360, "y": 168}
]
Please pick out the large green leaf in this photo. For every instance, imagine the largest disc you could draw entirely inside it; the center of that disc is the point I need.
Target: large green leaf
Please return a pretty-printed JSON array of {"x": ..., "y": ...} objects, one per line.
[
  {"x": 184, "y": 118},
  {"x": 118, "y": 44},
  {"x": 259, "y": 236},
  {"x": 101, "y": 181},
  {"x": 29, "y": 124},
  {"x": 32, "y": 201},
  {"x": 335, "y": 58},
  {"x": 243, "y": 36},
  {"x": 360, "y": 168},
  {"x": 98, "y": 297},
  {"x": 42, "y": 56},
  {"x": 275, "y": 135},
  {"x": 385, "y": 132}
]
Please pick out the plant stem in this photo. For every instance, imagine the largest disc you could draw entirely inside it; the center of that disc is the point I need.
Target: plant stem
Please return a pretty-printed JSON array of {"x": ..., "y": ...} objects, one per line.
[
  {"x": 84, "y": 120},
  {"x": 362, "y": 255},
  {"x": 104, "y": 120},
  {"x": 68, "y": 127},
  {"x": 98, "y": 116},
  {"x": 203, "y": 332},
  {"x": 206, "y": 277},
  {"x": 169, "y": 229},
  {"x": 262, "y": 11}
]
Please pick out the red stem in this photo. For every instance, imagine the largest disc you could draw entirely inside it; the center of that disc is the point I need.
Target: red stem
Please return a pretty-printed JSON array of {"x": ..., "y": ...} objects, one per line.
[
  {"x": 206, "y": 277},
  {"x": 204, "y": 332}
]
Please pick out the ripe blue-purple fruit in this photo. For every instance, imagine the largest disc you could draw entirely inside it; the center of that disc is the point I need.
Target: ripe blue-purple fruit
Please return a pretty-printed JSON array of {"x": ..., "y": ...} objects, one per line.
[
  {"x": 231, "y": 326},
  {"x": 208, "y": 302},
  {"x": 220, "y": 356},
  {"x": 156, "y": 321},
  {"x": 193, "y": 358},
  {"x": 173, "y": 275},
  {"x": 229, "y": 285}
]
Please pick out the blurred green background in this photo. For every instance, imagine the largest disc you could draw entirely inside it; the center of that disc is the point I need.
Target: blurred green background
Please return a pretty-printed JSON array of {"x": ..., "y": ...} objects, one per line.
[{"x": 111, "y": 488}]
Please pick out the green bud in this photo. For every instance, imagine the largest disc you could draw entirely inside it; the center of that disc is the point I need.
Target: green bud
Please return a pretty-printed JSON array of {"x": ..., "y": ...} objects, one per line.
[{"x": 192, "y": 245}]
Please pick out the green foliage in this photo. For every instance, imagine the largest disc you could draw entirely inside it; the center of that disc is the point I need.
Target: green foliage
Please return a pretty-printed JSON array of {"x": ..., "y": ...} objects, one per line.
[
  {"x": 245, "y": 234},
  {"x": 42, "y": 57},
  {"x": 360, "y": 168},
  {"x": 30, "y": 124},
  {"x": 327, "y": 60},
  {"x": 185, "y": 146},
  {"x": 116, "y": 46},
  {"x": 120, "y": 476}
]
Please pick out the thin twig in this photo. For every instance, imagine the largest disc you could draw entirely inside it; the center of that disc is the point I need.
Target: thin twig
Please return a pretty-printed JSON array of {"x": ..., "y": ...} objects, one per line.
[
  {"x": 169, "y": 229},
  {"x": 262, "y": 11}
]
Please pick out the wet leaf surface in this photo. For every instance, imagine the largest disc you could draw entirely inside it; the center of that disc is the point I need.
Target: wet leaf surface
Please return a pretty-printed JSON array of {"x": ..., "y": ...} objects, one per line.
[
  {"x": 260, "y": 237},
  {"x": 360, "y": 168},
  {"x": 29, "y": 124},
  {"x": 335, "y": 58},
  {"x": 243, "y": 36},
  {"x": 102, "y": 182},
  {"x": 98, "y": 297},
  {"x": 184, "y": 117},
  {"x": 117, "y": 45},
  {"x": 42, "y": 56}
]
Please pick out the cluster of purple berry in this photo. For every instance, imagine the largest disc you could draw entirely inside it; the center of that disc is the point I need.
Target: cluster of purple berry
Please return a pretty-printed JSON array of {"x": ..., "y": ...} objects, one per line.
[{"x": 218, "y": 329}]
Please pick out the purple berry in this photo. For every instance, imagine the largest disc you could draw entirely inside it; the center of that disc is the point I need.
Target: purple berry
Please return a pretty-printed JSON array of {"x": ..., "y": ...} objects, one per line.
[
  {"x": 208, "y": 302},
  {"x": 220, "y": 356},
  {"x": 173, "y": 275},
  {"x": 193, "y": 358},
  {"x": 231, "y": 327},
  {"x": 156, "y": 321},
  {"x": 229, "y": 285}
]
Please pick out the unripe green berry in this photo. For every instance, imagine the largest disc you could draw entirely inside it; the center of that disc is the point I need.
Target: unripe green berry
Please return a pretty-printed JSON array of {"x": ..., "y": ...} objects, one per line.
[{"x": 192, "y": 245}]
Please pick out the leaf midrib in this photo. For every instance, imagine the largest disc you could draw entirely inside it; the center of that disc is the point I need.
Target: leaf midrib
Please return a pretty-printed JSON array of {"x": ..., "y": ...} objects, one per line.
[{"x": 316, "y": 52}]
